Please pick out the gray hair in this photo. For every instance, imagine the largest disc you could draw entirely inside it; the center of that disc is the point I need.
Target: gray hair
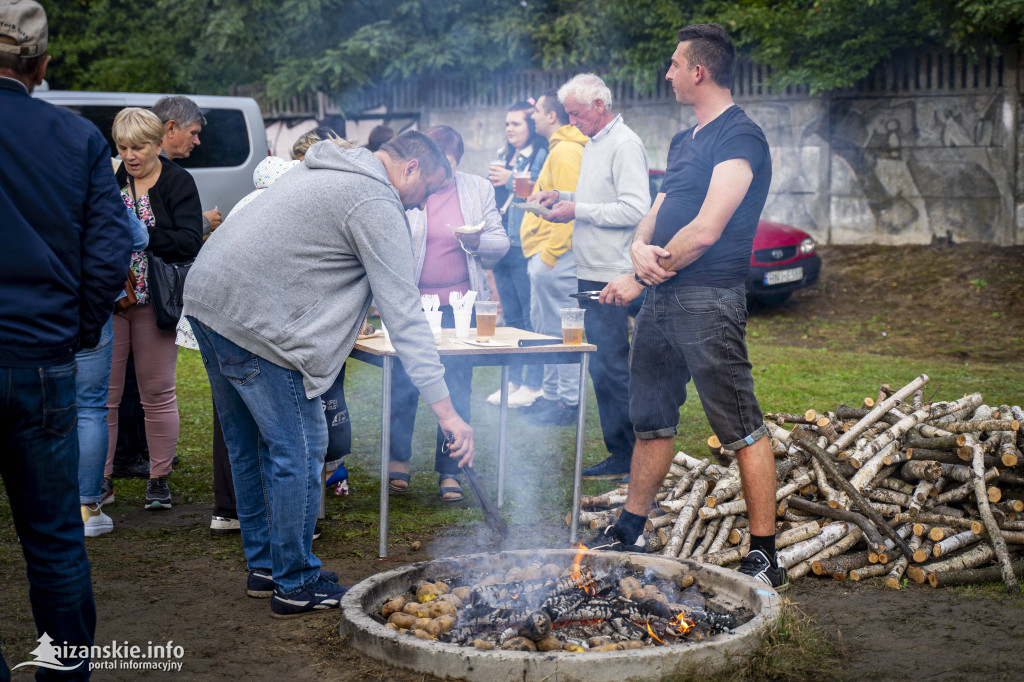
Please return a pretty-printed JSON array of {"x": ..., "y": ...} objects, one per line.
[
  {"x": 179, "y": 109},
  {"x": 585, "y": 88}
]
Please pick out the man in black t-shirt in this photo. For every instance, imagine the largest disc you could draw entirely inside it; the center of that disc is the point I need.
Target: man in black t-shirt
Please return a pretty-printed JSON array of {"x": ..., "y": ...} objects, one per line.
[{"x": 692, "y": 253}]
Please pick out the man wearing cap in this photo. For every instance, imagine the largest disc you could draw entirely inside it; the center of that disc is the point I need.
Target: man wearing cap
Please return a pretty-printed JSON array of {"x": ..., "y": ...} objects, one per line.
[{"x": 67, "y": 243}]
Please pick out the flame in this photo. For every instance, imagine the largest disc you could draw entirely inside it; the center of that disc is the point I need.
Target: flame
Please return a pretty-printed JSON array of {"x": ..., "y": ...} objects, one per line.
[
  {"x": 577, "y": 573},
  {"x": 649, "y": 630},
  {"x": 682, "y": 624}
]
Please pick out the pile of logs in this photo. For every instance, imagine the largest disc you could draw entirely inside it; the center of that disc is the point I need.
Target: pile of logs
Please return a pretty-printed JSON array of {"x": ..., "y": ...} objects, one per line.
[{"x": 896, "y": 487}]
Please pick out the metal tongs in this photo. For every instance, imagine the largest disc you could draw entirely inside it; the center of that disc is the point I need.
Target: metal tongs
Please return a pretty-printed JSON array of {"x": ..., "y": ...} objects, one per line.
[{"x": 491, "y": 515}]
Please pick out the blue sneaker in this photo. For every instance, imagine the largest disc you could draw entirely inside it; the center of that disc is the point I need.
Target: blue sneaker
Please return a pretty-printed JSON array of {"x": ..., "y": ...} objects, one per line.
[
  {"x": 320, "y": 595},
  {"x": 261, "y": 583}
]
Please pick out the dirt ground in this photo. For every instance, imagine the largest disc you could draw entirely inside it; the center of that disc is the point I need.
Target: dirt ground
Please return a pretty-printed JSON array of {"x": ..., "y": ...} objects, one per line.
[{"x": 923, "y": 298}]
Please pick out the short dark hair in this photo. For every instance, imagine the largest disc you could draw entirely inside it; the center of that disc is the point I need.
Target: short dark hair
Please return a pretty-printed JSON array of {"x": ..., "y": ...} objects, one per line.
[
  {"x": 378, "y": 136},
  {"x": 711, "y": 47},
  {"x": 179, "y": 109},
  {"x": 20, "y": 66},
  {"x": 550, "y": 98},
  {"x": 412, "y": 144},
  {"x": 448, "y": 139}
]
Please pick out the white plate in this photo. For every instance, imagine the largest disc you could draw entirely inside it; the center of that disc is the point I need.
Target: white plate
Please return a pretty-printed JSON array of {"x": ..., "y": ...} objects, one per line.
[
  {"x": 535, "y": 207},
  {"x": 363, "y": 337},
  {"x": 485, "y": 344},
  {"x": 468, "y": 229}
]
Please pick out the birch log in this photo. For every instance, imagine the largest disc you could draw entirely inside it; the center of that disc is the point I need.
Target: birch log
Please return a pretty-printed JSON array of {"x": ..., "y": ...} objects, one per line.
[
  {"x": 686, "y": 516},
  {"x": 872, "y": 416},
  {"x": 998, "y": 543}
]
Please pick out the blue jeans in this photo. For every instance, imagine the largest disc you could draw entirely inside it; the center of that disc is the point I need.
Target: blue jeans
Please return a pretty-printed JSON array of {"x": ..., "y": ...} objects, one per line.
[
  {"x": 607, "y": 327},
  {"x": 277, "y": 439},
  {"x": 698, "y": 332},
  {"x": 514, "y": 291},
  {"x": 405, "y": 397},
  {"x": 93, "y": 385},
  {"x": 39, "y": 468}
]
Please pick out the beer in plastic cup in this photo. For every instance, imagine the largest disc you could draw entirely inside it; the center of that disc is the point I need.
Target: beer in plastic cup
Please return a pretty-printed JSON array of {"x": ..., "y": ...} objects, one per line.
[
  {"x": 486, "y": 318},
  {"x": 522, "y": 184},
  {"x": 572, "y": 326}
]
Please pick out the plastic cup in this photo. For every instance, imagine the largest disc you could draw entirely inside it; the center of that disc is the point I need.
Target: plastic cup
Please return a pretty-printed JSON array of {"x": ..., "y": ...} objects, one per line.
[
  {"x": 572, "y": 326},
  {"x": 522, "y": 184},
  {"x": 434, "y": 320},
  {"x": 486, "y": 318},
  {"x": 387, "y": 335},
  {"x": 462, "y": 320}
]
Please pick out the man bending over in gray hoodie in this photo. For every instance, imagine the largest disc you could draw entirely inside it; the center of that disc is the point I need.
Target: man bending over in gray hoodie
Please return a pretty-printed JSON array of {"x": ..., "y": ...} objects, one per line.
[{"x": 276, "y": 300}]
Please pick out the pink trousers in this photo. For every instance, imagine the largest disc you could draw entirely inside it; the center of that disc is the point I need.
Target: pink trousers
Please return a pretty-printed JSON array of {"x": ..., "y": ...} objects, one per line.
[{"x": 156, "y": 359}]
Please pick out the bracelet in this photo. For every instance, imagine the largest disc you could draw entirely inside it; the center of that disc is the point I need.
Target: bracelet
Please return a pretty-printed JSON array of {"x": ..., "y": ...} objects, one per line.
[{"x": 640, "y": 281}]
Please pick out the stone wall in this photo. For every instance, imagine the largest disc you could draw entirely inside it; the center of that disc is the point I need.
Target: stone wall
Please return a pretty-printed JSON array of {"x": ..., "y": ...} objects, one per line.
[{"x": 926, "y": 147}]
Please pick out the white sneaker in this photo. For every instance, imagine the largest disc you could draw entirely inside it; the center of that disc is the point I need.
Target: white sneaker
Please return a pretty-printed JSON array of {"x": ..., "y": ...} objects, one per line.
[
  {"x": 524, "y": 396},
  {"x": 495, "y": 398},
  {"x": 96, "y": 522}
]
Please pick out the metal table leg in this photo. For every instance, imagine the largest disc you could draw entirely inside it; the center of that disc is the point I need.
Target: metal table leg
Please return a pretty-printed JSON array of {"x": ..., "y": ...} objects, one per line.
[
  {"x": 502, "y": 427},
  {"x": 578, "y": 466},
  {"x": 385, "y": 450}
]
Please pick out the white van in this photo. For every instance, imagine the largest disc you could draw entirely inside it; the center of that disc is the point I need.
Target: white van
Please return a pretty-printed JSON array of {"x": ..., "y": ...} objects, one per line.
[{"x": 232, "y": 143}]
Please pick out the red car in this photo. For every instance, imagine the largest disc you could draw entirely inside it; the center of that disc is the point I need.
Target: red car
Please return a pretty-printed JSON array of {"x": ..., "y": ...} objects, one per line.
[{"x": 783, "y": 260}]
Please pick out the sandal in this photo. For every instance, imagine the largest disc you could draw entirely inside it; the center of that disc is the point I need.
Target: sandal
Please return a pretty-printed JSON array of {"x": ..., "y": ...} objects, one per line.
[
  {"x": 398, "y": 476},
  {"x": 450, "y": 489}
]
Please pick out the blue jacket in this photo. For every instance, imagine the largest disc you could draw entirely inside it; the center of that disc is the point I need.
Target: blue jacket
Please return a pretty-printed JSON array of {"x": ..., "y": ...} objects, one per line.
[{"x": 66, "y": 241}]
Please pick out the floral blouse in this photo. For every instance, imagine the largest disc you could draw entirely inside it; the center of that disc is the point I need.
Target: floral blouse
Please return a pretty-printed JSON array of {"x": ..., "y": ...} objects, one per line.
[{"x": 140, "y": 262}]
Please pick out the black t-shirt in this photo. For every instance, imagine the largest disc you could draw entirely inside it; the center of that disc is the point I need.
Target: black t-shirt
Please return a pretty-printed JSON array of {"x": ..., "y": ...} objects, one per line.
[{"x": 690, "y": 164}]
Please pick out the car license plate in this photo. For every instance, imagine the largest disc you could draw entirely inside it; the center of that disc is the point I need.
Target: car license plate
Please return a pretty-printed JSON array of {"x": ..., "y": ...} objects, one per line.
[{"x": 783, "y": 276}]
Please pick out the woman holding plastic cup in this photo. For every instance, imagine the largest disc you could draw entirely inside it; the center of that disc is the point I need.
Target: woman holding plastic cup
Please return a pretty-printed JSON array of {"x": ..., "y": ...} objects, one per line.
[
  {"x": 513, "y": 177},
  {"x": 450, "y": 257}
]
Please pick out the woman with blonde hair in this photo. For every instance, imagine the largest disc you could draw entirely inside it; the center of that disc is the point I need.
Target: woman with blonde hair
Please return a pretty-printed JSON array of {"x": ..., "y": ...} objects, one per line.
[{"x": 165, "y": 198}]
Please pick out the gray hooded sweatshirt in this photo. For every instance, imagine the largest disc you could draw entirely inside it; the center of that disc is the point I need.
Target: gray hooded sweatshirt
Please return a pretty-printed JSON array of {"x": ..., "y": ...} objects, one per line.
[{"x": 290, "y": 276}]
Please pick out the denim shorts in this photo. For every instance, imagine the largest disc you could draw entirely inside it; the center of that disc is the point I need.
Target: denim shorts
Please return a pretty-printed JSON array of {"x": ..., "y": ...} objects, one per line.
[{"x": 693, "y": 332}]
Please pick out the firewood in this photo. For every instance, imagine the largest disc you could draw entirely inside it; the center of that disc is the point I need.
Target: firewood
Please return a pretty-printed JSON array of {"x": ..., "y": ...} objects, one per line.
[
  {"x": 691, "y": 538},
  {"x": 870, "y": 571},
  {"x": 924, "y": 552},
  {"x": 892, "y": 581},
  {"x": 878, "y": 410},
  {"x": 589, "y": 517},
  {"x": 995, "y": 538},
  {"x": 808, "y": 417},
  {"x": 686, "y": 481},
  {"x": 822, "y": 456},
  {"x": 783, "y": 539},
  {"x": 661, "y": 521},
  {"x": 871, "y": 534},
  {"x": 972, "y": 576},
  {"x": 916, "y": 470},
  {"x": 843, "y": 545},
  {"x": 740, "y": 506},
  {"x": 954, "y": 543},
  {"x": 686, "y": 516},
  {"x": 722, "y": 536},
  {"x": 726, "y": 487},
  {"x": 940, "y": 533},
  {"x": 709, "y": 537},
  {"x": 940, "y": 444},
  {"x": 979, "y": 425},
  {"x": 972, "y": 558},
  {"x": 1014, "y": 506},
  {"x": 887, "y": 496},
  {"x": 799, "y": 551}
]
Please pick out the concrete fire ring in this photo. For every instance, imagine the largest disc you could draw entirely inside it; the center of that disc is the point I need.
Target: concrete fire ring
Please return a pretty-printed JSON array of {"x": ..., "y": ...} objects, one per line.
[{"x": 459, "y": 662}]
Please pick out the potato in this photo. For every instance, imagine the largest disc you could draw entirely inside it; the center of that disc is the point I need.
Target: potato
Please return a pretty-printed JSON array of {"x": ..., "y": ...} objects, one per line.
[
  {"x": 392, "y": 626},
  {"x": 462, "y": 592},
  {"x": 481, "y": 644},
  {"x": 416, "y": 609},
  {"x": 549, "y": 643},
  {"x": 513, "y": 574},
  {"x": 392, "y": 606},
  {"x": 440, "y": 625},
  {"x": 452, "y": 599},
  {"x": 550, "y": 571},
  {"x": 529, "y": 574},
  {"x": 607, "y": 647},
  {"x": 421, "y": 623},
  {"x": 599, "y": 641},
  {"x": 631, "y": 644},
  {"x": 442, "y": 588},
  {"x": 422, "y": 634},
  {"x": 428, "y": 592},
  {"x": 685, "y": 581},
  {"x": 519, "y": 644},
  {"x": 441, "y": 608},
  {"x": 402, "y": 620},
  {"x": 629, "y": 585}
]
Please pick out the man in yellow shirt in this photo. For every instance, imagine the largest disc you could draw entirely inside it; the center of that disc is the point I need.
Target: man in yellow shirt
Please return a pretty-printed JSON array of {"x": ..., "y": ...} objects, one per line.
[{"x": 552, "y": 268}]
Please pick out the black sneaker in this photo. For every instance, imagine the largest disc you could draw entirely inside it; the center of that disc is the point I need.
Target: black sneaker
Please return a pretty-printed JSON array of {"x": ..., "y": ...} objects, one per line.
[
  {"x": 136, "y": 468},
  {"x": 757, "y": 565},
  {"x": 557, "y": 413},
  {"x": 320, "y": 595},
  {"x": 261, "y": 583},
  {"x": 317, "y": 531},
  {"x": 608, "y": 540},
  {"x": 613, "y": 467},
  {"x": 158, "y": 494}
]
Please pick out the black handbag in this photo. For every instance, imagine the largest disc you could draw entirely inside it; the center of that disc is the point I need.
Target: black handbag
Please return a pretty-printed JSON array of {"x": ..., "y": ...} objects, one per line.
[{"x": 166, "y": 284}]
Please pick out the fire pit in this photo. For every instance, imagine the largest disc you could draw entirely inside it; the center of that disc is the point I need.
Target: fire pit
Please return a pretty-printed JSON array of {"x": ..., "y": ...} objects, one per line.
[{"x": 677, "y": 614}]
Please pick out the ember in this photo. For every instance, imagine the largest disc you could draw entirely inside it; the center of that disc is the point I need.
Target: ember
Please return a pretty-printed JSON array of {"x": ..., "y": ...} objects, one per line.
[{"x": 545, "y": 607}]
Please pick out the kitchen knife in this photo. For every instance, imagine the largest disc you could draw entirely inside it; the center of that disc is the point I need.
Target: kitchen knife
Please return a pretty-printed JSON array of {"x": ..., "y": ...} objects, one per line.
[{"x": 524, "y": 343}]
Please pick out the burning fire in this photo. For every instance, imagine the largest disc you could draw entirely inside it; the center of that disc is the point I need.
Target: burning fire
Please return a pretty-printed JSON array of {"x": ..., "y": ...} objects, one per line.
[
  {"x": 576, "y": 573},
  {"x": 682, "y": 624},
  {"x": 651, "y": 632}
]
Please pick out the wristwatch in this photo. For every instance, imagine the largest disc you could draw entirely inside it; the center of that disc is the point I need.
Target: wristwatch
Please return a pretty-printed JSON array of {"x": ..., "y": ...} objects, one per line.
[{"x": 640, "y": 281}]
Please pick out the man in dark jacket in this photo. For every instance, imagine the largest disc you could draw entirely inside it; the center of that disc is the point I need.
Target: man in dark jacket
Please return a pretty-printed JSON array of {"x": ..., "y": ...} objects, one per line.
[{"x": 67, "y": 244}]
